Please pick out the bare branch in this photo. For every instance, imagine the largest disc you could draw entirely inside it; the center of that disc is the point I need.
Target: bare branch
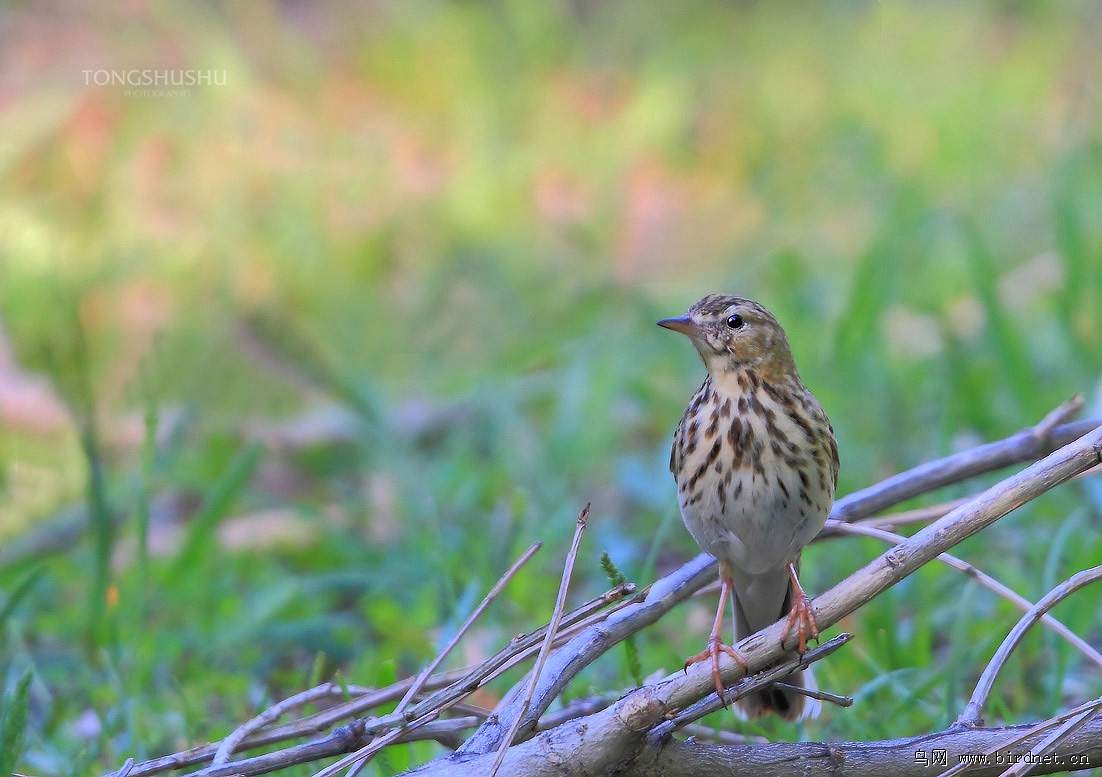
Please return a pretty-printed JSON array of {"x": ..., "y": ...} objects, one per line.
[
  {"x": 365, "y": 699},
  {"x": 270, "y": 715},
  {"x": 906, "y": 757},
  {"x": 917, "y": 515},
  {"x": 419, "y": 683},
  {"x": 830, "y": 698},
  {"x": 359, "y": 759},
  {"x": 1023, "y": 733},
  {"x": 1069, "y": 727},
  {"x": 747, "y": 685},
  {"x": 972, "y": 715},
  {"x": 984, "y": 579},
  {"x": 556, "y": 617},
  {"x": 565, "y": 663},
  {"x": 1027, "y": 445}
]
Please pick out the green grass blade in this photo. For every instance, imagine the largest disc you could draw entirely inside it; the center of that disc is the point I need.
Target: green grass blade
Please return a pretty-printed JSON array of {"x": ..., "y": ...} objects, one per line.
[
  {"x": 22, "y": 589},
  {"x": 1006, "y": 340},
  {"x": 217, "y": 503},
  {"x": 13, "y": 725}
]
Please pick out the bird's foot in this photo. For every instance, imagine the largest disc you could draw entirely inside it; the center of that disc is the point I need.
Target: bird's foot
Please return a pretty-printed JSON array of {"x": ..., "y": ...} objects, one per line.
[
  {"x": 801, "y": 618},
  {"x": 715, "y": 647}
]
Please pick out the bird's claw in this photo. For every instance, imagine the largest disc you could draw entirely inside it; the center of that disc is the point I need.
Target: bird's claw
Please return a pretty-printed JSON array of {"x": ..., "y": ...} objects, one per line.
[
  {"x": 712, "y": 652},
  {"x": 801, "y": 618}
]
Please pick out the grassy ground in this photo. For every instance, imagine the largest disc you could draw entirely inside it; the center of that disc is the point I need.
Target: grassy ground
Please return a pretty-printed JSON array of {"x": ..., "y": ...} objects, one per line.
[{"x": 458, "y": 223}]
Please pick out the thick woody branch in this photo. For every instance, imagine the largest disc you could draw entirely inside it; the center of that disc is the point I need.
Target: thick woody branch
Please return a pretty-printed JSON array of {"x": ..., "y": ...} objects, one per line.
[{"x": 919, "y": 756}]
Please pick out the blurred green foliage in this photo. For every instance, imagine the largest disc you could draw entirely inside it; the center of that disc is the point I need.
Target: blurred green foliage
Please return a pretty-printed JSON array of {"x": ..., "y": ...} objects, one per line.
[{"x": 458, "y": 222}]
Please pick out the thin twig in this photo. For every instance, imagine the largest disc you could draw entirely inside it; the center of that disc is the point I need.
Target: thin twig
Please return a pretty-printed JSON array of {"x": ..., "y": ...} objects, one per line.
[
  {"x": 917, "y": 515},
  {"x": 832, "y": 698},
  {"x": 358, "y": 765},
  {"x": 984, "y": 579},
  {"x": 350, "y": 737},
  {"x": 1026, "y": 445},
  {"x": 270, "y": 715},
  {"x": 972, "y": 715},
  {"x": 743, "y": 687},
  {"x": 358, "y": 759},
  {"x": 126, "y": 768},
  {"x": 1053, "y": 740},
  {"x": 719, "y": 736},
  {"x": 556, "y": 617},
  {"x": 363, "y": 699},
  {"x": 481, "y": 608},
  {"x": 1062, "y": 412},
  {"x": 1022, "y": 734}
]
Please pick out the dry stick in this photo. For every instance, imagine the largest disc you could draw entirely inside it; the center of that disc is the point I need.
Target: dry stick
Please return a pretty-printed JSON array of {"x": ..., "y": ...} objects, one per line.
[
  {"x": 501, "y": 583},
  {"x": 1021, "y": 735},
  {"x": 1027, "y": 445},
  {"x": 984, "y": 579},
  {"x": 357, "y": 766},
  {"x": 747, "y": 685},
  {"x": 720, "y": 736},
  {"x": 606, "y": 738},
  {"x": 126, "y": 768},
  {"x": 362, "y": 756},
  {"x": 917, "y": 515},
  {"x": 270, "y": 715},
  {"x": 556, "y": 617},
  {"x": 565, "y": 663},
  {"x": 365, "y": 699},
  {"x": 1053, "y": 740},
  {"x": 972, "y": 715},
  {"x": 901, "y": 757},
  {"x": 831, "y": 698},
  {"x": 350, "y": 737}
]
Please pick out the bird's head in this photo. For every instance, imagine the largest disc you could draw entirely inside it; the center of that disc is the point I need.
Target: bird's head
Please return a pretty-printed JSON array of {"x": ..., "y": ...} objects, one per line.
[{"x": 733, "y": 333}]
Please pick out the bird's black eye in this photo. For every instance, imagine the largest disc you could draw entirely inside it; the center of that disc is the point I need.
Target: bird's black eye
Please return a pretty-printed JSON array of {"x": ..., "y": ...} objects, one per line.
[{"x": 735, "y": 321}]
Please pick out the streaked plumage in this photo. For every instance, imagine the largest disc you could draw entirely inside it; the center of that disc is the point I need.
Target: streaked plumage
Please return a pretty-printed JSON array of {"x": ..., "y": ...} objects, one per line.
[{"x": 756, "y": 466}]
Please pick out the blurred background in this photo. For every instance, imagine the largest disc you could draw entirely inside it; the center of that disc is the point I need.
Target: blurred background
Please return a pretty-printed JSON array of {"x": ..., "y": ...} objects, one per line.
[{"x": 294, "y": 361}]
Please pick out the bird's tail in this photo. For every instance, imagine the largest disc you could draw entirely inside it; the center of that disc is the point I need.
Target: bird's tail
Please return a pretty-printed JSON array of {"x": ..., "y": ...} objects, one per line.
[{"x": 751, "y": 614}]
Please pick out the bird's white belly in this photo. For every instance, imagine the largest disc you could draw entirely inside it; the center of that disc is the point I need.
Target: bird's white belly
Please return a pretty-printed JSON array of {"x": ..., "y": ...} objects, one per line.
[
  {"x": 754, "y": 537},
  {"x": 748, "y": 520}
]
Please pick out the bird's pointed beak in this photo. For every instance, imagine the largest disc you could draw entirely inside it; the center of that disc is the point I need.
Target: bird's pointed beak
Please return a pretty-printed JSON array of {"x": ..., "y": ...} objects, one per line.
[{"x": 682, "y": 324}]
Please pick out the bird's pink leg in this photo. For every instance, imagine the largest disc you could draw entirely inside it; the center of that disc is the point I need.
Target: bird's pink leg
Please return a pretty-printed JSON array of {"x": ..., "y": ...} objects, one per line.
[
  {"x": 716, "y": 644},
  {"x": 801, "y": 616}
]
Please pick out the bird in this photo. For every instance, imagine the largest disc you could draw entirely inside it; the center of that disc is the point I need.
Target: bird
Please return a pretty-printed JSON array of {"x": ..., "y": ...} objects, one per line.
[{"x": 756, "y": 466}]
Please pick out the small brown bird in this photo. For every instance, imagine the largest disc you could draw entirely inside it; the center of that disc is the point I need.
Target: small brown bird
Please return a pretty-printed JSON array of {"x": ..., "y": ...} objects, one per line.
[{"x": 756, "y": 466}]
